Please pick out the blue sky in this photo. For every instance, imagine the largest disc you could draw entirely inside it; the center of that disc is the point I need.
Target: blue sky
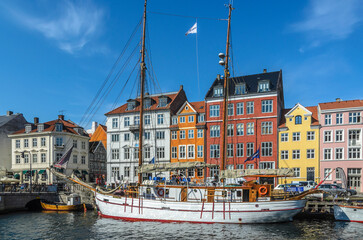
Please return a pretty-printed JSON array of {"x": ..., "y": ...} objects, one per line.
[{"x": 55, "y": 55}]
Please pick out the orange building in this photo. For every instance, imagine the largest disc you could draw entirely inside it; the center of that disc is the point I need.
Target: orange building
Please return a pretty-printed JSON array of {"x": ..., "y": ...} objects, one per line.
[
  {"x": 187, "y": 137},
  {"x": 100, "y": 135}
]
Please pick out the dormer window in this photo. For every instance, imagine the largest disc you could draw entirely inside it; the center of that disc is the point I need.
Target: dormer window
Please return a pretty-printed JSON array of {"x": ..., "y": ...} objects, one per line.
[
  {"x": 131, "y": 105},
  {"x": 28, "y": 128},
  {"x": 298, "y": 119},
  {"x": 218, "y": 91},
  {"x": 240, "y": 89},
  {"x": 147, "y": 103},
  {"x": 264, "y": 86},
  {"x": 40, "y": 127},
  {"x": 163, "y": 101},
  {"x": 58, "y": 127},
  {"x": 78, "y": 130}
]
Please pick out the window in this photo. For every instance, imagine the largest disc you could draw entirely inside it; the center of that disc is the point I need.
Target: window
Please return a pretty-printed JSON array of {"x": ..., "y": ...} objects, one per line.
[
  {"x": 215, "y": 131},
  {"x": 266, "y": 149},
  {"x": 191, "y": 118},
  {"x": 230, "y": 130},
  {"x": 339, "y": 118},
  {"x": 250, "y": 148},
  {"x": 327, "y": 136},
  {"x": 160, "y": 119},
  {"x": 240, "y": 150},
  {"x": 26, "y": 143},
  {"x": 339, "y": 135},
  {"x": 35, "y": 142},
  {"x": 266, "y": 106},
  {"x": 310, "y": 153},
  {"x": 263, "y": 86},
  {"x": 126, "y": 121},
  {"x": 298, "y": 120},
  {"x": 115, "y": 154},
  {"x": 266, "y": 128},
  {"x": 174, "y": 135},
  {"x": 310, "y": 135},
  {"x": 190, "y": 172},
  {"x": 230, "y": 150},
  {"x": 230, "y": 167},
  {"x": 182, "y": 151},
  {"x": 214, "y": 111},
  {"x": 191, "y": 151},
  {"x": 284, "y": 137},
  {"x": 327, "y": 119},
  {"x": 136, "y": 153},
  {"x": 147, "y": 103},
  {"x": 240, "y": 130},
  {"x": 35, "y": 158},
  {"x": 267, "y": 165},
  {"x": 327, "y": 154},
  {"x": 296, "y": 136},
  {"x": 137, "y": 120},
  {"x": 174, "y": 120},
  {"x": 147, "y": 120},
  {"x": 83, "y": 159},
  {"x": 214, "y": 171},
  {"x": 182, "y": 134},
  {"x": 17, "y": 143},
  {"x": 160, "y": 152},
  {"x": 26, "y": 158},
  {"x": 296, "y": 172},
  {"x": 354, "y": 117},
  {"x": 182, "y": 119},
  {"x": 284, "y": 155},
  {"x": 174, "y": 153},
  {"x": 83, "y": 145},
  {"x": 127, "y": 171},
  {"x": 163, "y": 101},
  {"x": 160, "y": 134},
  {"x": 239, "y": 108},
  {"x": 200, "y": 172},
  {"x": 43, "y": 158},
  {"x": 114, "y": 122},
  {"x": 250, "y": 128},
  {"x": 59, "y": 141},
  {"x": 250, "y": 166},
  {"x": 218, "y": 91},
  {"x": 239, "y": 166},
  {"x": 354, "y": 153},
  {"x": 147, "y": 152},
  {"x": 200, "y": 133},
  {"x": 126, "y": 153},
  {"x": 40, "y": 128},
  {"x": 191, "y": 134},
  {"x": 295, "y": 154},
  {"x": 75, "y": 143},
  {"x": 75, "y": 159},
  {"x": 200, "y": 151},
  {"x": 114, "y": 138},
  {"x": 250, "y": 107},
  {"x": 58, "y": 127},
  {"x": 127, "y": 137},
  {"x": 339, "y": 153},
  {"x": 201, "y": 117},
  {"x": 354, "y": 138},
  {"x": 147, "y": 135},
  {"x": 327, "y": 173},
  {"x": 115, "y": 175},
  {"x": 214, "y": 150},
  {"x": 354, "y": 177},
  {"x": 230, "y": 109},
  {"x": 28, "y": 128},
  {"x": 240, "y": 89}
]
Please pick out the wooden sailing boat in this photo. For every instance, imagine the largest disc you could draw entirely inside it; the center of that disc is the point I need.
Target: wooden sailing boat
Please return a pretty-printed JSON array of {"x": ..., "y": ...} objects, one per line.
[{"x": 149, "y": 201}]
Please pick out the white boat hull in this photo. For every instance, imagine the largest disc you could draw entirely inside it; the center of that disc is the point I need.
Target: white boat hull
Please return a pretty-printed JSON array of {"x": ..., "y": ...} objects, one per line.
[
  {"x": 348, "y": 213},
  {"x": 135, "y": 209}
]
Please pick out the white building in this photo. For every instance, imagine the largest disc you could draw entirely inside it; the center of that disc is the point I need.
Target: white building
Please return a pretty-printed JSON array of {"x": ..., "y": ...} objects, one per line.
[
  {"x": 45, "y": 143},
  {"x": 123, "y": 134}
]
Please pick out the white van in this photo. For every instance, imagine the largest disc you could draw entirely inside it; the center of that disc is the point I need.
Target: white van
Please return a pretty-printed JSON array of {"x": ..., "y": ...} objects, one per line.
[{"x": 306, "y": 184}]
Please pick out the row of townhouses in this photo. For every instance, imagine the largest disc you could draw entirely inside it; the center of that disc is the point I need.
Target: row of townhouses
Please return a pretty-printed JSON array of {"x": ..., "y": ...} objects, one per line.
[{"x": 311, "y": 140}]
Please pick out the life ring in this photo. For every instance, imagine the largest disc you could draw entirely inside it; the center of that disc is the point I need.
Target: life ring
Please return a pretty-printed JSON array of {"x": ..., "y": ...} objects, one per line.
[
  {"x": 262, "y": 190},
  {"x": 160, "y": 192}
]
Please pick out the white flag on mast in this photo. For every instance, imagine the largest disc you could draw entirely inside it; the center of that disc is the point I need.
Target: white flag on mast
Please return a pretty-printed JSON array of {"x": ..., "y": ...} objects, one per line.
[{"x": 192, "y": 30}]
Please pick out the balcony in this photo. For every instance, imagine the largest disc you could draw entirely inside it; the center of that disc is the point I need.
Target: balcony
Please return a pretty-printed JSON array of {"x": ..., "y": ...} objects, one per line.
[
  {"x": 134, "y": 127},
  {"x": 59, "y": 146}
]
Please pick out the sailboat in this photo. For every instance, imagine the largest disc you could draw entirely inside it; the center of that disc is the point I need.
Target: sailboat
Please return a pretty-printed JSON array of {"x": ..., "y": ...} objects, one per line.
[{"x": 219, "y": 203}]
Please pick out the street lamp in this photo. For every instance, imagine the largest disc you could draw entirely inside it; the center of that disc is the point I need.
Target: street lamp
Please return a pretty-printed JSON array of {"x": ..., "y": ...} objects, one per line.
[{"x": 30, "y": 163}]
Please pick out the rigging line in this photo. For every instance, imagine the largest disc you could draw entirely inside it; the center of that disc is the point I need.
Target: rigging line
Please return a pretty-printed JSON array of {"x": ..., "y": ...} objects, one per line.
[
  {"x": 149, "y": 58},
  {"x": 186, "y": 16},
  {"x": 155, "y": 80},
  {"x": 196, "y": 47},
  {"x": 111, "y": 71}
]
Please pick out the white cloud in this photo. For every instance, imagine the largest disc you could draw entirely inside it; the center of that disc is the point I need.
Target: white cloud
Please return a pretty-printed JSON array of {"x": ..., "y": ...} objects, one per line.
[
  {"x": 72, "y": 28},
  {"x": 327, "y": 20}
]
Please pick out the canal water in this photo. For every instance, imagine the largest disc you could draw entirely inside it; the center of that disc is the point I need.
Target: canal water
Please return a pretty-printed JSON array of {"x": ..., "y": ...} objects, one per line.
[{"x": 77, "y": 225}]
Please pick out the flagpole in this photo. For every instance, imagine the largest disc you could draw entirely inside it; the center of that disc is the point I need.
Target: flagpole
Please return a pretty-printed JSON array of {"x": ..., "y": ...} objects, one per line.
[{"x": 196, "y": 44}]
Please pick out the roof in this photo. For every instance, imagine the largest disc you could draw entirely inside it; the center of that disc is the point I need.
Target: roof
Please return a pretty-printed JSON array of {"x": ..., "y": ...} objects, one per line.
[
  {"x": 251, "y": 82},
  {"x": 68, "y": 127},
  {"x": 198, "y": 106},
  {"x": 5, "y": 119},
  {"x": 314, "y": 116},
  {"x": 341, "y": 104},
  {"x": 175, "y": 100}
]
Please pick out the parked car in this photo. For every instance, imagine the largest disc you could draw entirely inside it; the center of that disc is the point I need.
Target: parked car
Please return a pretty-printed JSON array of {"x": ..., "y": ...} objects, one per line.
[
  {"x": 335, "y": 189},
  {"x": 306, "y": 184}
]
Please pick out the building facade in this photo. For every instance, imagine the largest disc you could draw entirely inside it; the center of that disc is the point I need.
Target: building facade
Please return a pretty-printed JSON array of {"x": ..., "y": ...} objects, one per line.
[
  {"x": 341, "y": 141},
  {"x": 123, "y": 134},
  {"x": 97, "y": 162},
  {"x": 299, "y": 139},
  {"x": 187, "y": 137},
  {"x": 39, "y": 145},
  {"x": 254, "y": 109}
]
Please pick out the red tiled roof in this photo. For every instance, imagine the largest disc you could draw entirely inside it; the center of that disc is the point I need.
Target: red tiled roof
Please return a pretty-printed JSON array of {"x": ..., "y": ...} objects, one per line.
[
  {"x": 341, "y": 104},
  {"x": 199, "y": 106},
  {"x": 314, "y": 117}
]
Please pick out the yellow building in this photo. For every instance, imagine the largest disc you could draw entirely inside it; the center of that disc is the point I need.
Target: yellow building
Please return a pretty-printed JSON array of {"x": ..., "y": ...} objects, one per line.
[{"x": 299, "y": 143}]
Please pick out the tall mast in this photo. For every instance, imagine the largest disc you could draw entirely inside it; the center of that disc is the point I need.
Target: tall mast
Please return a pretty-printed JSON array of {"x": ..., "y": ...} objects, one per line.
[
  {"x": 225, "y": 93},
  {"x": 142, "y": 79}
]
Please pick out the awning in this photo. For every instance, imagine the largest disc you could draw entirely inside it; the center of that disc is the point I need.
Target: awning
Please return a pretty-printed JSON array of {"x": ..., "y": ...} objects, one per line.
[
  {"x": 76, "y": 171},
  {"x": 26, "y": 171},
  {"x": 17, "y": 176},
  {"x": 41, "y": 171},
  {"x": 34, "y": 171},
  {"x": 238, "y": 173},
  {"x": 84, "y": 172},
  {"x": 165, "y": 167}
]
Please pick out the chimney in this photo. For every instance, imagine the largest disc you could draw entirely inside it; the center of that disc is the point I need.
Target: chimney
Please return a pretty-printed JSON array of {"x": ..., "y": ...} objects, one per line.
[
  {"x": 219, "y": 76},
  {"x": 181, "y": 87},
  {"x": 36, "y": 120},
  {"x": 94, "y": 126},
  {"x": 61, "y": 117},
  {"x": 338, "y": 99},
  {"x": 264, "y": 70},
  {"x": 9, "y": 113}
]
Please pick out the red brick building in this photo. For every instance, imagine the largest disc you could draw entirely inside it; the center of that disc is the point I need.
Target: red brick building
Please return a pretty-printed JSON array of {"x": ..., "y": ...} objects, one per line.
[{"x": 254, "y": 109}]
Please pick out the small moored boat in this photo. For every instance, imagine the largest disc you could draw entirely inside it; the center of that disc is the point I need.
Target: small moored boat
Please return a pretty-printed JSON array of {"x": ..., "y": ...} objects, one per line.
[
  {"x": 348, "y": 213},
  {"x": 73, "y": 204}
]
